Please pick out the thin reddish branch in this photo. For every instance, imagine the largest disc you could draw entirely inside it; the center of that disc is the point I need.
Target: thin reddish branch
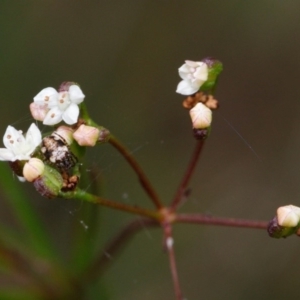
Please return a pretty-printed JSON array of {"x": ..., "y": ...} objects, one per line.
[
  {"x": 169, "y": 243},
  {"x": 139, "y": 171},
  {"x": 210, "y": 220},
  {"x": 84, "y": 196},
  {"x": 187, "y": 176}
]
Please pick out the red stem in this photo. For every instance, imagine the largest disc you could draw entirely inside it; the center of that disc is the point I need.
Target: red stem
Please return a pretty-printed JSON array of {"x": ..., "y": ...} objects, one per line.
[
  {"x": 138, "y": 170},
  {"x": 209, "y": 220},
  {"x": 168, "y": 239},
  {"x": 83, "y": 195},
  {"x": 187, "y": 176}
]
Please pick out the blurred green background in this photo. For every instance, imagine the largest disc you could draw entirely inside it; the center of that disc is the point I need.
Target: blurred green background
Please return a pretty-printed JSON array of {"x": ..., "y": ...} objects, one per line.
[{"x": 125, "y": 56}]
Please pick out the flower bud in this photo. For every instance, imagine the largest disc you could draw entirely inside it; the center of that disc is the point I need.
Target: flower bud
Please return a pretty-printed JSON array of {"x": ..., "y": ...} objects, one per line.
[
  {"x": 66, "y": 133},
  {"x": 201, "y": 116},
  {"x": 49, "y": 184},
  {"x": 288, "y": 216},
  {"x": 64, "y": 87},
  {"x": 38, "y": 112},
  {"x": 33, "y": 169},
  {"x": 86, "y": 135}
]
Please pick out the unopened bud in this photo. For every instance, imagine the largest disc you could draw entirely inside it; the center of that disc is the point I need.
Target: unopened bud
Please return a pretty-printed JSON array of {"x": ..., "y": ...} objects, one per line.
[
  {"x": 38, "y": 112},
  {"x": 288, "y": 216},
  {"x": 66, "y": 133},
  {"x": 86, "y": 135},
  {"x": 49, "y": 183},
  {"x": 33, "y": 169},
  {"x": 201, "y": 116},
  {"x": 65, "y": 86}
]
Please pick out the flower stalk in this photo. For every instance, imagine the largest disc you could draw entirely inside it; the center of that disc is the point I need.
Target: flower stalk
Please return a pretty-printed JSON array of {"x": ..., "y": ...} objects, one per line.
[
  {"x": 181, "y": 190},
  {"x": 218, "y": 221},
  {"x": 84, "y": 196},
  {"x": 143, "y": 179}
]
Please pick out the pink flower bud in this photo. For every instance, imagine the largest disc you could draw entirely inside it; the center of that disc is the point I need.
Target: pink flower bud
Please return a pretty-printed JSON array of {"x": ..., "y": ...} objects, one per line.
[
  {"x": 38, "y": 112},
  {"x": 86, "y": 135},
  {"x": 33, "y": 169}
]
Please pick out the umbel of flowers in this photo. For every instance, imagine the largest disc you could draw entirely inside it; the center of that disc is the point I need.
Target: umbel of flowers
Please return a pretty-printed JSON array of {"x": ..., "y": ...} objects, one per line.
[
  {"x": 48, "y": 162},
  {"x": 51, "y": 162}
]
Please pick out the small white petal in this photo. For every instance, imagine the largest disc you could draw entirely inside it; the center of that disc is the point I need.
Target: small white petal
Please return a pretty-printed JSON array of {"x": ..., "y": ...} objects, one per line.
[
  {"x": 33, "y": 135},
  {"x": 201, "y": 72},
  {"x": 63, "y": 101},
  {"x": 11, "y": 136},
  {"x": 184, "y": 72},
  {"x": 46, "y": 96},
  {"x": 54, "y": 116},
  {"x": 187, "y": 88},
  {"x": 70, "y": 116},
  {"x": 21, "y": 179},
  {"x": 6, "y": 155},
  {"x": 76, "y": 94},
  {"x": 193, "y": 64}
]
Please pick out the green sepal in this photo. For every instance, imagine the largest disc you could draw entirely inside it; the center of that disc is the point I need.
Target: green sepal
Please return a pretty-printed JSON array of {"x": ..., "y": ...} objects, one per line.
[
  {"x": 215, "y": 67},
  {"x": 49, "y": 183},
  {"x": 277, "y": 231}
]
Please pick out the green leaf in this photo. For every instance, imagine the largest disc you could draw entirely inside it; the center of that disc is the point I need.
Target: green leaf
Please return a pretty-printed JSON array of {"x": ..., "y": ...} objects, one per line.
[{"x": 25, "y": 214}]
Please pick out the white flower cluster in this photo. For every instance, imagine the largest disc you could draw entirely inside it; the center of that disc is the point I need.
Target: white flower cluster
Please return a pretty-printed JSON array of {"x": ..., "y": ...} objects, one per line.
[{"x": 50, "y": 107}]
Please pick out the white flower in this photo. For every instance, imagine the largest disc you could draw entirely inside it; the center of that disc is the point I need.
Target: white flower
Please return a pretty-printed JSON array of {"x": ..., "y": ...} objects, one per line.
[
  {"x": 18, "y": 146},
  {"x": 288, "y": 216},
  {"x": 194, "y": 74},
  {"x": 60, "y": 105},
  {"x": 201, "y": 116}
]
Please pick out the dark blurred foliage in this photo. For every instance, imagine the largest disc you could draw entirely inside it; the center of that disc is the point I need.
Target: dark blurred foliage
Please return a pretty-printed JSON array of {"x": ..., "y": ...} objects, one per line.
[{"x": 125, "y": 56}]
